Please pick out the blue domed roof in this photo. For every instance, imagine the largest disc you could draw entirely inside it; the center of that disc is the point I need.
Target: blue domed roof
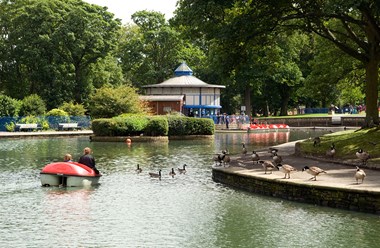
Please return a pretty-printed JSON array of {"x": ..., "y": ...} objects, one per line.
[{"x": 183, "y": 70}]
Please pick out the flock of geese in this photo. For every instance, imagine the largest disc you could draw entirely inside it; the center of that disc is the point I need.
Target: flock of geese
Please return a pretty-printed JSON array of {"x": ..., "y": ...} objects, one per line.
[
  {"x": 158, "y": 174},
  {"x": 276, "y": 163}
]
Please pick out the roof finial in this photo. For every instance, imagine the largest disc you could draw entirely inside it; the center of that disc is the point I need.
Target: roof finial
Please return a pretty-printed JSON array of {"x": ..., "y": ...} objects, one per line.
[{"x": 183, "y": 70}]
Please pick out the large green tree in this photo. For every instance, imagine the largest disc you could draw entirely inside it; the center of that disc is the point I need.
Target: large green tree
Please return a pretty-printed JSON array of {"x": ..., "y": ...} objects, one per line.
[
  {"x": 353, "y": 26},
  {"x": 151, "y": 49},
  {"x": 50, "y": 47}
]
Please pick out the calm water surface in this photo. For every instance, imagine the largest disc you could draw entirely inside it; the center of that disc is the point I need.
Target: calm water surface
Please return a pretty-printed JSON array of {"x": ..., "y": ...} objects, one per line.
[{"x": 130, "y": 210}]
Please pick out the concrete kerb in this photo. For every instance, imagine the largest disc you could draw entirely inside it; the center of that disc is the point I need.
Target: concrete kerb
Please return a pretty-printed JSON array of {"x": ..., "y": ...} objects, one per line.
[{"x": 337, "y": 188}]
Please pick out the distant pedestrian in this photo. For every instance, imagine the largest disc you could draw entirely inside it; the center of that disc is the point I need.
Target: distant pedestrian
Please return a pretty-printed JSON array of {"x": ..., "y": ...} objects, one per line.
[{"x": 227, "y": 120}]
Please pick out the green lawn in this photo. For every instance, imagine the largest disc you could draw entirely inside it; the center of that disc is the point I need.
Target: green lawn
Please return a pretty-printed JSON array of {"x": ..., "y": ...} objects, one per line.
[{"x": 347, "y": 143}]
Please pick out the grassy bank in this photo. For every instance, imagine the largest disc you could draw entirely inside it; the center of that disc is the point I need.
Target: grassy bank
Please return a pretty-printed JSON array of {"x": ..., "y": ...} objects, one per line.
[{"x": 347, "y": 143}]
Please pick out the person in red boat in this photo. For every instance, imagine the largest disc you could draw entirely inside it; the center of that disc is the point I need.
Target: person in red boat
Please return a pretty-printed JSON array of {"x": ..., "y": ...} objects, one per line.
[
  {"x": 68, "y": 158},
  {"x": 88, "y": 159}
]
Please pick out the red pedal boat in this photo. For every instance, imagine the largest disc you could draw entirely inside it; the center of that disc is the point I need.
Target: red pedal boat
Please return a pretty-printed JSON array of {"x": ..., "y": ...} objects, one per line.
[{"x": 68, "y": 174}]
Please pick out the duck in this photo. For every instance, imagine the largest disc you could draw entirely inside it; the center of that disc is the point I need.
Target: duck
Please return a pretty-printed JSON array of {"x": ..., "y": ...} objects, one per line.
[
  {"x": 155, "y": 175},
  {"x": 268, "y": 166},
  {"x": 362, "y": 155},
  {"x": 138, "y": 169},
  {"x": 332, "y": 151},
  {"x": 316, "y": 141},
  {"x": 314, "y": 171},
  {"x": 277, "y": 159},
  {"x": 359, "y": 175},
  {"x": 183, "y": 170},
  {"x": 255, "y": 157},
  {"x": 172, "y": 173},
  {"x": 287, "y": 169},
  {"x": 244, "y": 150}
]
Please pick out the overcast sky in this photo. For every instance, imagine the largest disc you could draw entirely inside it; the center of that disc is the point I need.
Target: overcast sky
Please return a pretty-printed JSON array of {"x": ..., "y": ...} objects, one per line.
[{"x": 124, "y": 9}]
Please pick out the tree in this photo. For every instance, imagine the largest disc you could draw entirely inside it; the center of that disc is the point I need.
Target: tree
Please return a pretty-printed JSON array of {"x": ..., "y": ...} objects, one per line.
[
  {"x": 109, "y": 101},
  {"x": 352, "y": 26},
  {"x": 50, "y": 47}
]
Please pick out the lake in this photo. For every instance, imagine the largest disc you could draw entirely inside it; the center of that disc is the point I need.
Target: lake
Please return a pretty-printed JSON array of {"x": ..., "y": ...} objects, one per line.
[{"x": 133, "y": 210}]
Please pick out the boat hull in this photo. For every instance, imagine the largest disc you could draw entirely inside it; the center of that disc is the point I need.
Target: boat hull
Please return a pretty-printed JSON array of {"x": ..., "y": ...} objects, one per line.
[
  {"x": 68, "y": 174},
  {"x": 48, "y": 180}
]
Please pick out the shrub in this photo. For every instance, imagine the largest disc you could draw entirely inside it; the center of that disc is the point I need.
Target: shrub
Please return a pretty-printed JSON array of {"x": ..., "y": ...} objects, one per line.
[
  {"x": 10, "y": 127},
  {"x": 157, "y": 126},
  {"x": 137, "y": 124},
  {"x": 32, "y": 105},
  {"x": 30, "y": 119},
  {"x": 108, "y": 102},
  {"x": 73, "y": 109},
  {"x": 56, "y": 116},
  {"x": 190, "y": 126},
  {"x": 120, "y": 126},
  {"x": 8, "y": 106}
]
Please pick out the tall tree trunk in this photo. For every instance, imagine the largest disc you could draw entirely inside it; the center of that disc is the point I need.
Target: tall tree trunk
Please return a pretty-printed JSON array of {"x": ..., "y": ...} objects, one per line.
[
  {"x": 371, "y": 92},
  {"x": 247, "y": 101}
]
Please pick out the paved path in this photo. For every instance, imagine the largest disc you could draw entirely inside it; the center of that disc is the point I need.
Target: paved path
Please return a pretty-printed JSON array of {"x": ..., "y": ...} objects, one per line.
[
  {"x": 44, "y": 134},
  {"x": 338, "y": 175}
]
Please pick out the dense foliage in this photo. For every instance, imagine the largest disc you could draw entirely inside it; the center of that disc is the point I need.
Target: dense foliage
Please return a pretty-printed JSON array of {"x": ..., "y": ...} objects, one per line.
[
  {"x": 152, "y": 126},
  {"x": 109, "y": 101},
  {"x": 272, "y": 55}
]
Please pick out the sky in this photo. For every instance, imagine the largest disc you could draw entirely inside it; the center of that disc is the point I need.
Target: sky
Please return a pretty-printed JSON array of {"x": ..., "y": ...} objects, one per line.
[{"x": 123, "y": 9}]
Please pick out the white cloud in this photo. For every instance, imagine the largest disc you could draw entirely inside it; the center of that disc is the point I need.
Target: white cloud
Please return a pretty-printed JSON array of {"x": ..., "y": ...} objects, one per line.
[{"x": 124, "y": 9}]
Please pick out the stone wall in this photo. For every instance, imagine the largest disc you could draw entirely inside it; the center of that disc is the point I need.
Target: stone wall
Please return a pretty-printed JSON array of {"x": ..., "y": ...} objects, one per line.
[
  {"x": 346, "y": 120},
  {"x": 348, "y": 199}
]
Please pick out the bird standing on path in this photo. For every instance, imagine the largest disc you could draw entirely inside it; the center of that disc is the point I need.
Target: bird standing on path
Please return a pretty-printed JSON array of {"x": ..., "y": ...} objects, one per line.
[
  {"x": 314, "y": 171},
  {"x": 138, "y": 169},
  {"x": 255, "y": 157},
  {"x": 287, "y": 169},
  {"x": 268, "y": 166},
  {"x": 359, "y": 175},
  {"x": 363, "y": 156},
  {"x": 277, "y": 159}
]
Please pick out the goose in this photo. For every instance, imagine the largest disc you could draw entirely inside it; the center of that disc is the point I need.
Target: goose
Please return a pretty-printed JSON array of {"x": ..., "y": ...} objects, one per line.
[
  {"x": 218, "y": 158},
  {"x": 314, "y": 171},
  {"x": 268, "y": 166},
  {"x": 172, "y": 173},
  {"x": 138, "y": 169},
  {"x": 244, "y": 151},
  {"x": 155, "y": 175},
  {"x": 272, "y": 150},
  {"x": 363, "y": 156},
  {"x": 316, "y": 141},
  {"x": 183, "y": 170},
  {"x": 255, "y": 157},
  {"x": 226, "y": 160},
  {"x": 331, "y": 152},
  {"x": 359, "y": 174},
  {"x": 277, "y": 159},
  {"x": 287, "y": 169}
]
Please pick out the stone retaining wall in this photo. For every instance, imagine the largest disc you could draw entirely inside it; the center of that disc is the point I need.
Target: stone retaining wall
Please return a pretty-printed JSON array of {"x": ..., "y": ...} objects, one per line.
[
  {"x": 346, "y": 120},
  {"x": 349, "y": 199}
]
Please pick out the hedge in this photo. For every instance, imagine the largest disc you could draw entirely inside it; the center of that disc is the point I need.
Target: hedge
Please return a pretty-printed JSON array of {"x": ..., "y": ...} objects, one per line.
[{"x": 152, "y": 126}]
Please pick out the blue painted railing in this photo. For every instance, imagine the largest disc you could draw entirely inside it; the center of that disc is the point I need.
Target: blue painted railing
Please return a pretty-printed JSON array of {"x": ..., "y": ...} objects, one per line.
[{"x": 83, "y": 121}]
